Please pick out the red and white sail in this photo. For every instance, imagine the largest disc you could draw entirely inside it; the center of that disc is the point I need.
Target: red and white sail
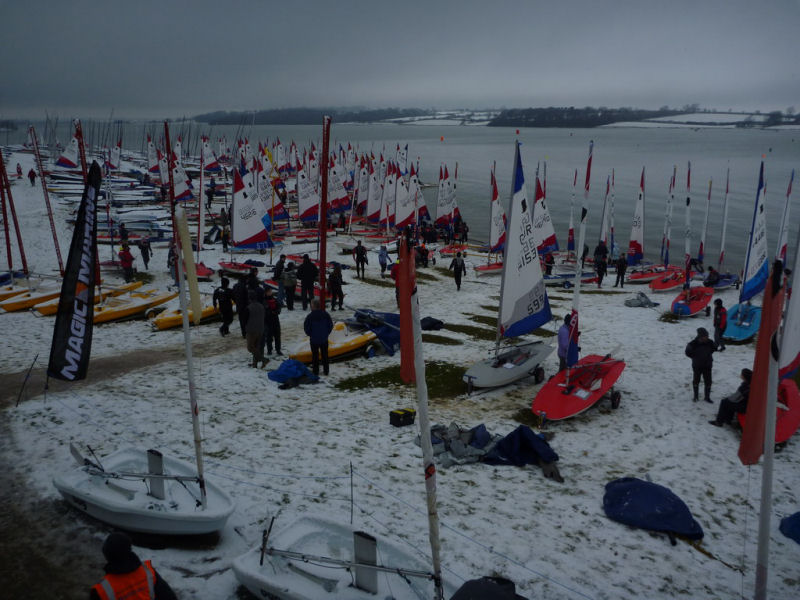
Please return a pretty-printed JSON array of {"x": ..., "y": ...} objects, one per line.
[
  {"x": 247, "y": 211},
  {"x": 783, "y": 234},
  {"x": 307, "y": 198},
  {"x": 374, "y": 196},
  {"x": 543, "y": 232},
  {"x": 152, "y": 157},
  {"x": 405, "y": 207},
  {"x": 790, "y": 335},
  {"x": 70, "y": 158},
  {"x": 636, "y": 244},
  {"x": 182, "y": 183},
  {"x": 210, "y": 161},
  {"x": 497, "y": 220},
  {"x": 421, "y": 210},
  {"x": 701, "y": 253},
  {"x": 114, "y": 156},
  {"x": 362, "y": 190},
  {"x": 724, "y": 223}
]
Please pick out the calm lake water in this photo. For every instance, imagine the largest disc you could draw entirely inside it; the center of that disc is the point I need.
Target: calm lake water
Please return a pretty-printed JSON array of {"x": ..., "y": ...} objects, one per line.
[{"x": 626, "y": 150}]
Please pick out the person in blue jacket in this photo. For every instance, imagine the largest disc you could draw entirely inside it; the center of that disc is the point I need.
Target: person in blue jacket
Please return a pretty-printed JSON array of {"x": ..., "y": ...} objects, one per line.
[{"x": 318, "y": 326}]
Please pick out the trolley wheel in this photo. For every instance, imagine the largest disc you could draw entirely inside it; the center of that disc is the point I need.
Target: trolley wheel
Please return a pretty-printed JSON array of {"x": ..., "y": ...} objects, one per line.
[
  {"x": 538, "y": 374},
  {"x": 151, "y": 313},
  {"x": 615, "y": 399}
]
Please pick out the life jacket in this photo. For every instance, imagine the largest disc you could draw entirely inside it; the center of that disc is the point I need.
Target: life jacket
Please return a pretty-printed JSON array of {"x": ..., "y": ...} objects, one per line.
[{"x": 136, "y": 585}]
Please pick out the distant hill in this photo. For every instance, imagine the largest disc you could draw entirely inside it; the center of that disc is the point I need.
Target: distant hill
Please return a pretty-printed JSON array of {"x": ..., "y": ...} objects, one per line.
[{"x": 307, "y": 116}]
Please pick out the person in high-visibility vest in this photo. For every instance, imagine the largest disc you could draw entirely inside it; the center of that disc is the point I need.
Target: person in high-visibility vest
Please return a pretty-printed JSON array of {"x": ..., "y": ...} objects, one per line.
[{"x": 128, "y": 577}]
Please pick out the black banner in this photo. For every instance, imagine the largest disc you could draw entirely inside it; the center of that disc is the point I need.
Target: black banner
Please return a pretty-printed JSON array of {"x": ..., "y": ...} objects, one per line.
[{"x": 72, "y": 335}]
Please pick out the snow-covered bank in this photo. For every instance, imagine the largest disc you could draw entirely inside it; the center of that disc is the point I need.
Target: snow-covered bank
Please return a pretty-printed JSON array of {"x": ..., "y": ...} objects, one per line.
[{"x": 288, "y": 452}]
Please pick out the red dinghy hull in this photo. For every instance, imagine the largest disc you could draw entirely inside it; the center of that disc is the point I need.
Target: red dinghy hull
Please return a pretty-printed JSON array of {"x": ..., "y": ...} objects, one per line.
[
  {"x": 648, "y": 274},
  {"x": 589, "y": 380},
  {"x": 788, "y": 417},
  {"x": 670, "y": 281},
  {"x": 692, "y": 301}
]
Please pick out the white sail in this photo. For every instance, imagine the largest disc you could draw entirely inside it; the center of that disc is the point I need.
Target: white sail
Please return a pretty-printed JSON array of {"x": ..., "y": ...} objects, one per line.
[
  {"x": 756, "y": 266},
  {"x": 783, "y": 234},
  {"x": 307, "y": 198},
  {"x": 721, "y": 261},
  {"x": 636, "y": 244},
  {"x": 790, "y": 335},
  {"x": 524, "y": 305},
  {"x": 497, "y": 220}
]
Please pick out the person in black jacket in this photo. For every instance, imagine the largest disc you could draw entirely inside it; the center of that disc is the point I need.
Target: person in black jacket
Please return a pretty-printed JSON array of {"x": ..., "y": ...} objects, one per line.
[
  {"x": 272, "y": 324},
  {"x": 318, "y": 326},
  {"x": 223, "y": 297},
  {"x": 459, "y": 268},
  {"x": 736, "y": 402},
  {"x": 701, "y": 350},
  {"x": 622, "y": 266},
  {"x": 240, "y": 298},
  {"x": 126, "y": 574},
  {"x": 307, "y": 274}
]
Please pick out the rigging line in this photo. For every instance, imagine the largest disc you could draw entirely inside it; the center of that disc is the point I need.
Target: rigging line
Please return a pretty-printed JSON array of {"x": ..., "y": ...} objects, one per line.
[{"x": 476, "y": 542}]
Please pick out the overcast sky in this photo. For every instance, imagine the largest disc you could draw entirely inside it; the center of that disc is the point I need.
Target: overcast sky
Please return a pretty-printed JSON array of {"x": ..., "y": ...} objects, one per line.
[{"x": 172, "y": 58}]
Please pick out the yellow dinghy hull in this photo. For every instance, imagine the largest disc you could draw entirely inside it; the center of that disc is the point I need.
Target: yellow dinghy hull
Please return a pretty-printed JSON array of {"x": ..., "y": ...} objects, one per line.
[
  {"x": 130, "y": 307},
  {"x": 174, "y": 318},
  {"x": 51, "y": 306},
  {"x": 28, "y": 299},
  {"x": 342, "y": 343}
]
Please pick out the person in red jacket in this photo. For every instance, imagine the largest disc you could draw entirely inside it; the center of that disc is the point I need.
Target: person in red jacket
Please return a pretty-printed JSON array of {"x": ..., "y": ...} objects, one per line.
[
  {"x": 126, "y": 262},
  {"x": 127, "y": 576},
  {"x": 720, "y": 323}
]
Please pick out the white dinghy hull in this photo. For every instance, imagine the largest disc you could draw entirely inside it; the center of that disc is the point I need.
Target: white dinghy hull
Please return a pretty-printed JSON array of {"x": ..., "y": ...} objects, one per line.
[
  {"x": 288, "y": 578},
  {"x": 125, "y": 502},
  {"x": 510, "y": 365}
]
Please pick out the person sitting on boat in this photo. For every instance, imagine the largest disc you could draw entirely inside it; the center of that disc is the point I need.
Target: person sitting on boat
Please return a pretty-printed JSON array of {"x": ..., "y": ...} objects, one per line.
[
  {"x": 735, "y": 403},
  {"x": 127, "y": 576},
  {"x": 696, "y": 265},
  {"x": 712, "y": 278}
]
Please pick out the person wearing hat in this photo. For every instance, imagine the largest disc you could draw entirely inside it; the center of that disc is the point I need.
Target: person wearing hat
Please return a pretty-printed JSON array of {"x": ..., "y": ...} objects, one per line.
[
  {"x": 736, "y": 402},
  {"x": 127, "y": 576},
  {"x": 720, "y": 323},
  {"x": 563, "y": 342},
  {"x": 701, "y": 350}
]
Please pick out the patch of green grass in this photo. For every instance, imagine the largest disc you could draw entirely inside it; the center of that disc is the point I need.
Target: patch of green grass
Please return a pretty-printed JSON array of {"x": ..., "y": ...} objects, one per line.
[
  {"x": 669, "y": 317},
  {"x": 387, "y": 283},
  {"x": 479, "y": 333},
  {"x": 490, "y": 308},
  {"x": 424, "y": 276},
  {"x": 600, "y": 292},
  {"x": 485, "y": 320},
  {"x": 444, "y": 380},
  {"x": 144, "y": 277},
  {"x": 525, "y": 416},
  {"x": 443, "y": 340}
]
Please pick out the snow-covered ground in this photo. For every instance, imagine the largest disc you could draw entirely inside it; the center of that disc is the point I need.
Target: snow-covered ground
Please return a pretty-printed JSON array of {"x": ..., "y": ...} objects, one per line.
[
  {"x": 287, "y": 453},
  {"x": 711, "y": 117}
]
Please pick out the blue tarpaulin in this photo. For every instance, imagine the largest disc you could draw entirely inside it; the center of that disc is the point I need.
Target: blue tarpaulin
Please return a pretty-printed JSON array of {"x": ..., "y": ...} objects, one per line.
[
  {"x": 790, "y": 527},
  {"x": 519, "y": 448},
  {"x": 650, "y": 506},
  {"x": 291, "y": 369}
]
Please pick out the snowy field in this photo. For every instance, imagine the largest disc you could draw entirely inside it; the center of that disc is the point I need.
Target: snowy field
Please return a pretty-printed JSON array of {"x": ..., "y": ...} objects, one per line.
[{"x": 287, "y": 453}]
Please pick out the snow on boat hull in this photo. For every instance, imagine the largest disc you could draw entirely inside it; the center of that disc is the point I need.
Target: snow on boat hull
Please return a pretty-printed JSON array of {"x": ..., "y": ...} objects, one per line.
[
  {"x": 132, "y": 307},
  {"x": 490, "y": 269},
  {"x": 125, "y": 503},
  {"x": 51, "y": 306},
  {"x": 29, "y": 299},
  {"x": 7, "y": 291},
  {"x": 743, "y": 323},
  {"x": 509, "y": 366},
  {"x": 788, "y": 411},
  {"x": 692, "y": 301},
  {"x": 342, "y": 343},
  {"x": 648, "y": 274},
  {"x": 589, "y": 380},
  {"x": 286, "y": 578},
  {"x": 169, "y": 319}
]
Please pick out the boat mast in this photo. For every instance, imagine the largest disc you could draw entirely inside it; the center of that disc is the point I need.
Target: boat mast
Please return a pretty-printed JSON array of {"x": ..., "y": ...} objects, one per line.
[
  {"x": 201, "y": 217},
  {"x": 323, "y": 209},
  {"x": 516, "y": 168},
  {"x": 721, "y": 264},
  {"x": 5, "y": 183},
  {"x": 687, "y": 245},
  {"x": 39, "y": 164},
  {"x": 783, "y": 234},
  {"x": 701, "y": 254}
]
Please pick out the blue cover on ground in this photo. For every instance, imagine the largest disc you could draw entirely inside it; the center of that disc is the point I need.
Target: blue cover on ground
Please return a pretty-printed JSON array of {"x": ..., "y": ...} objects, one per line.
[
  {"x": 291, "y": 369},
  {"x": 385, "y": 325},
  {"x": 790, "y": 527},
  {"x": 650, "y": 506},
  {"x": 521, "y": 447}
]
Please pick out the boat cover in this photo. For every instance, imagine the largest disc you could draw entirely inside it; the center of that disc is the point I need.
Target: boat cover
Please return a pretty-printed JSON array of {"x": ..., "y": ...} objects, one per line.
[
  {"x": 790, "y": 527},
  {"x": 292, "y": 372},
  {"x": 650, "y": 506}
]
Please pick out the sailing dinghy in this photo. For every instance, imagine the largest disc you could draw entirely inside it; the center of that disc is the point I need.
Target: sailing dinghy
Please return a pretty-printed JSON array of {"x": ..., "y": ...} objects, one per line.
[
  {"x": 744, "y": 318},
  {"x": 524, "y": 306}
]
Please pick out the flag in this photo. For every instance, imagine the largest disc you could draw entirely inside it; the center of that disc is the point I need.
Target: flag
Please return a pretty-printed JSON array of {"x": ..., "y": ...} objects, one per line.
[
  {"x": 72, "y": 334},
  {"x": 752, "y": 444},
  {"x": 406, "y": 288}
]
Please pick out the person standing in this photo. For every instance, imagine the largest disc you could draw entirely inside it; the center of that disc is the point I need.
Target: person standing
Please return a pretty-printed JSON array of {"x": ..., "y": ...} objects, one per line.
[
  {"x": 126, "y": 262},
  {"x": 172, "y": 264},
  {"x": 736, "y": 403},
  {"x": 255, "y": 329},
  {"x": 601, "y": 268},
  {"x": 335, "y": 282},
  {"x": 272, "y": 323},
  {"x": 146, "y": 252},
  {"x": 226, "y": 237},
  {"x": 701, "y": 350},
  {"x": 240, "y": 299},
  {"x": 318, "y": 326},
  {"x": 123, "y": 232},
  {"x": 210, "y": 195},
  {"x": 19, "y": 171},
  {"x": 289, "y": 281},
  {"x": 383, "y": 260},
  {"x": 307, "y": 274},
  {"x": 223, "y": 298},
  {"x": 720, "y": 323},
  {"x": 127, "y": 576},
  {"x": 459, "y": 268},
  {"x": 622, "y": 266},
  {"x": 563, "y": 343},
  {"x": 360, "y": 256},
  {"x": 549, "y": 261},
  {"x": 32, "y": 177},
  {"x": 277, "y": 273}
]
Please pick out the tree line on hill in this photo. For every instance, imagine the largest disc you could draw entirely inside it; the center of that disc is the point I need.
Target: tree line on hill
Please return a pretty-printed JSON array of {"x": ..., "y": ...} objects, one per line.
[{"x": 306, "y": 116}]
